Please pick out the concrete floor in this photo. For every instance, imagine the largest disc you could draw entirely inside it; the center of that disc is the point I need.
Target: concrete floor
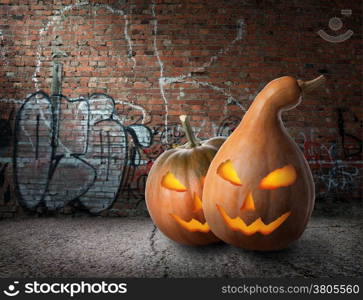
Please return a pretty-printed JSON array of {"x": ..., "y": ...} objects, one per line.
[{"x": 122, "y": 247}]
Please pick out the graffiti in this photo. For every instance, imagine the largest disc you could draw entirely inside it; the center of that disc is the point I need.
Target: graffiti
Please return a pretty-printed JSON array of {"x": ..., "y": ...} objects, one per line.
[
  {"x": 3, "y": 50},
  {"x": 89, "y": 149},
  {"x": 56, "y": 20},
  {"x": 5, "y": 193},
  {"x": 5, "y": 133},
  {"x": 133, "y": 186},
  {"x": 188, "y": 78},
  {"x": 133, "y": 183},
  {"x": 143, "y": 153},
  {"x": 85, "y": 149},
  {"x": 169, "y": 136},
  {"x": 99, "y": 159},
  {"x": 330, "y": 173},
  {"x": 228, "y": 125},
  {"x": 352, "y": 145},
  {"x": 340, "y": 177},
  {"x": 81, "y": 152},
  {"x": 155, "y": 140},
  {"x": 142, "y": 138}
]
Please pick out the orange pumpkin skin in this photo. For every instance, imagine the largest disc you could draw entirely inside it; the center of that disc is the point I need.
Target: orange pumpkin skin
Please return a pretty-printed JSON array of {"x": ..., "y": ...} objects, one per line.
[
  {"x": 258, "y": 146},
  {"x": 189, "y": 166}
]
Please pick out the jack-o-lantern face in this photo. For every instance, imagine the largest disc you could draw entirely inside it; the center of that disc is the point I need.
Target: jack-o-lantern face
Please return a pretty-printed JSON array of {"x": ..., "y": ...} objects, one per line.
[
  {"x": 278, "y": 178},
  {"x": 169, "y": 181},
  {"x": 174, "y": 190},
  {"x": 258, "y": 192},
  {"x": 256, "y": 209}
]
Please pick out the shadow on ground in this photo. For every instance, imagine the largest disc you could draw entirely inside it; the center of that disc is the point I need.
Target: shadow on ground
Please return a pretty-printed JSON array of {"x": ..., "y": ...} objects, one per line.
[{"x": 120, "y": 247}]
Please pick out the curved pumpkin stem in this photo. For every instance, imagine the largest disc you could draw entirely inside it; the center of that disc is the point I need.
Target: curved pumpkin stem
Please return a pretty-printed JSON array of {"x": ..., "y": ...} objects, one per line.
[
  {"x": 311, "y": 85},
  {"x": 192, "y": 140}
]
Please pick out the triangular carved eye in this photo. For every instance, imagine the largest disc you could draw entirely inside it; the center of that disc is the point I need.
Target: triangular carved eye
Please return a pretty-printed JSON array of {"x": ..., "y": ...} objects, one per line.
[
  {"x": 282, "y": 177},
  {"x": 228, "y": 172},
  {"x": 170, "y": 182}
]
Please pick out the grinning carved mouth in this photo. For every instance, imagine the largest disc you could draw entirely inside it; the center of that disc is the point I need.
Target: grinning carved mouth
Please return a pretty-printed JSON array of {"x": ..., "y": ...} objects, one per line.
[
  {"x": 193, "y": 225},
  {"x": 237, "y": 224}
]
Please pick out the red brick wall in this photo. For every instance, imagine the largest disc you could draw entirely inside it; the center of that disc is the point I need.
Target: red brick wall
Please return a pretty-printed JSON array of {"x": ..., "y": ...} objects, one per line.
[{"x": 157, "y": 60}]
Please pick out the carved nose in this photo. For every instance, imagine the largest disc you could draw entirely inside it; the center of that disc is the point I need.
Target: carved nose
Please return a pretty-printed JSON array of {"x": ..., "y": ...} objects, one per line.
[{"x": 249, "y": 203}]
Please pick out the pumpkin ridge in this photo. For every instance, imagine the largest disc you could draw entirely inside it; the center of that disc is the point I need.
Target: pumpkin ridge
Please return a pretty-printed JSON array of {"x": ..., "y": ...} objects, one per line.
[
  {"x": 188, "y": 165},
  {"x": 260, "y": 146}
]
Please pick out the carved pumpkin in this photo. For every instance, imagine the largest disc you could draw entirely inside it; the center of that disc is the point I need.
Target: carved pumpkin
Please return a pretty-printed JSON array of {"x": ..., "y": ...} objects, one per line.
[
  {"x": 174, "y": 189},
  {"x": 259, "y": 191}
]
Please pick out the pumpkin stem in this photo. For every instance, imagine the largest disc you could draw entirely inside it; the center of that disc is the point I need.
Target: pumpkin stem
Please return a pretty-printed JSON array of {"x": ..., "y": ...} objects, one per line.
[
  {"x": 192, "y": 140},
  {"x": 311, "y": 85}
]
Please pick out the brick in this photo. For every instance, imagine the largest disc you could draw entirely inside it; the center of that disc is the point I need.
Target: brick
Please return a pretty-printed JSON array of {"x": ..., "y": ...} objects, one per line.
[{"x": 204, "y": 65}]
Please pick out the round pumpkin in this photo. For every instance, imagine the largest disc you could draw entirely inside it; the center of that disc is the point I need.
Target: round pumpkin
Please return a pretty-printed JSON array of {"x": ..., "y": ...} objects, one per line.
[
  {"x": 174, "y": 189},
  {"x": 259, "y": 191}
]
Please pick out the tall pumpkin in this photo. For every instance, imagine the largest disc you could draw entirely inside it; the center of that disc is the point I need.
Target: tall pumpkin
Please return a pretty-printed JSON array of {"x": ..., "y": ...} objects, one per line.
[
  {"x": 259, "y": 191},
  {"x": 174, "y": 189}
]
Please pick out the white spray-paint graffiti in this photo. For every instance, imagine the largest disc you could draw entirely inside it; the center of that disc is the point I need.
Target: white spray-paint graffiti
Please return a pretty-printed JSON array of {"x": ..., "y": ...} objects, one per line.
[
  {"x": 339, "y": 176},
  {"x": 2, "y": 48},
  {"x": 161, "y": 64},
  {"x": 96, "y": 152},
  {"x": 135, "y": 146},
  {"x": 56, "y": 20},
  {"x": 188, "y": 78}
]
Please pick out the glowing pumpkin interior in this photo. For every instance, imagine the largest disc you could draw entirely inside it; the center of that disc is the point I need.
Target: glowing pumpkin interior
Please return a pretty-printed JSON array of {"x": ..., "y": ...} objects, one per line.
[
  {"x": 248, "y": 204},
  {"x": 193, "y": 225},
  {"x": 281, "y": 177},
  {"x": 228, "y": 172},
  {"x": 170, "y": 182},
  {"x": 237, "y": 224},
  {"x": 197, "y": 203}
]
